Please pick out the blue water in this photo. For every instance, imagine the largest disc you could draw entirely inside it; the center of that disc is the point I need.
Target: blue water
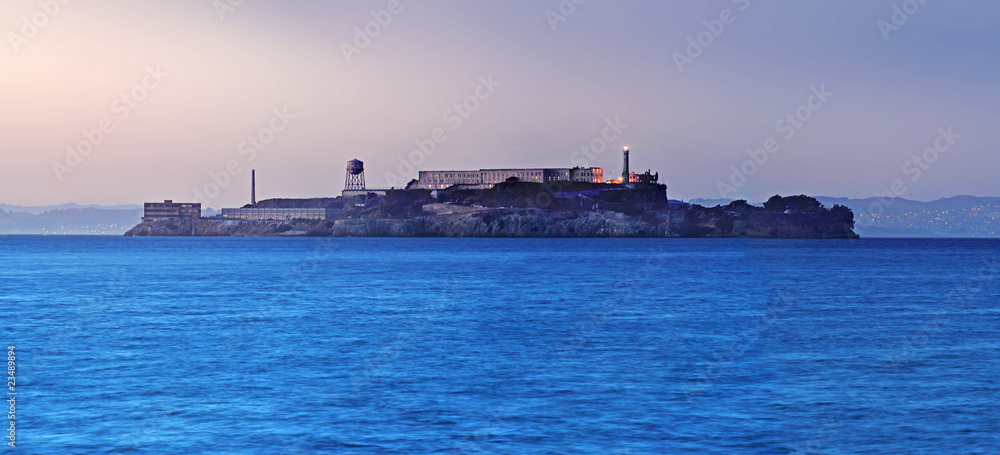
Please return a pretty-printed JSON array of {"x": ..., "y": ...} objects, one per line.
[{"x": 452, "y": 346}]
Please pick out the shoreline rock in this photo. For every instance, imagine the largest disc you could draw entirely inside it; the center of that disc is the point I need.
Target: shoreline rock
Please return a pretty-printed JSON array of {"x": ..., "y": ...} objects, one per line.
[{"x": 696, "y": 222}]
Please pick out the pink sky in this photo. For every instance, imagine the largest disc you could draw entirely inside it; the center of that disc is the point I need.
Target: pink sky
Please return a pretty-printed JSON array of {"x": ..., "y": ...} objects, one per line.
[{"x": 220, "y": 81}]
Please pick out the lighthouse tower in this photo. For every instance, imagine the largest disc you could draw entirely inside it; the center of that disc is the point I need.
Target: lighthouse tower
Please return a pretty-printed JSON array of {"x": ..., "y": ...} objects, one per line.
[{"x": 625, "y": 172}]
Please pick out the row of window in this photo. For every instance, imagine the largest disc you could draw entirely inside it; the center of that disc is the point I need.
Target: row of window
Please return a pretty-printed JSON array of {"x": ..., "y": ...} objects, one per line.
[
  {"x": 273, "y": 211},
  {"x": 437, "y": 179},
  {"x": 276, "y": 213}
]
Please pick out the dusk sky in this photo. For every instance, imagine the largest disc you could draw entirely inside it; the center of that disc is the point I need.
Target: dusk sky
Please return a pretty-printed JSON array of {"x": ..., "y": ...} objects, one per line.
[{"x": 179, "y": 86}]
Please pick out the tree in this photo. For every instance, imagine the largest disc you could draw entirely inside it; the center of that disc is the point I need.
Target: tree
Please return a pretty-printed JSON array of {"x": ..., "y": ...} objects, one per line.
[
  {"x": 798, "y": 203},
  {"x": 740, "y": 206}
]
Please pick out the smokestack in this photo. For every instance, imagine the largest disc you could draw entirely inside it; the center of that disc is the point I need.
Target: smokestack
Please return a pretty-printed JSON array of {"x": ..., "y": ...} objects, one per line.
[
  {"x": 625, "y": 172},
  {"x": 253, "y": 187}
]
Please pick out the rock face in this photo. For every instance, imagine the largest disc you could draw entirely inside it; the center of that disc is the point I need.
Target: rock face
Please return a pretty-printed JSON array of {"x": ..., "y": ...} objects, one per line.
[
  {"x": 489, "y": 224},
  {"x": 692, "y": 222}
]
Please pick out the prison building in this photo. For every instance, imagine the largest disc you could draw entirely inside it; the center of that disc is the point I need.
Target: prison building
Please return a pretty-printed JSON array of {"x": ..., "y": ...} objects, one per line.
[
  {"x": 278, "y": 214},
  {"x": 487, "y": 178},
  {"x": 169, "y": 209},
  {"x": 586, "y": 174}
]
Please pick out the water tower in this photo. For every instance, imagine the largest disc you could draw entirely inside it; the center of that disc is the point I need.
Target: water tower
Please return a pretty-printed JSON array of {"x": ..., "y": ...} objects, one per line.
[{"x": 355, "y": 180}]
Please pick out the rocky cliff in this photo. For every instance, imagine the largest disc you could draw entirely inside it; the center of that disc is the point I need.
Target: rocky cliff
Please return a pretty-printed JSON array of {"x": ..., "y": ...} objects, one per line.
[
  {"x": 476, "y": 224},
  {"x": 457, "y": 221}
]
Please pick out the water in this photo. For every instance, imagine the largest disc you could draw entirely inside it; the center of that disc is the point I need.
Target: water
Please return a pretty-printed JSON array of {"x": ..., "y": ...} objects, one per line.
[{"x": 449, "y": 346}]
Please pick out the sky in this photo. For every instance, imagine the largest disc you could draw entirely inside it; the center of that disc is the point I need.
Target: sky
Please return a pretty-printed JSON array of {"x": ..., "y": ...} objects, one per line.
[{"x": 122, "y": 102}]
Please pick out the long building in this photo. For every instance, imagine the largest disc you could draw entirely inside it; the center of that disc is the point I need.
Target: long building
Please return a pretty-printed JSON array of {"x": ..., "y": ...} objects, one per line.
[
  {"x": 487, "y": 178},
  {"x": 278, "y": 213}
]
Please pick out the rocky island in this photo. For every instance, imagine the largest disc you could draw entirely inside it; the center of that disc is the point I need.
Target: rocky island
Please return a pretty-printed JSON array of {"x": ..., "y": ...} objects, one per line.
[{"x": 522, "y": 209}]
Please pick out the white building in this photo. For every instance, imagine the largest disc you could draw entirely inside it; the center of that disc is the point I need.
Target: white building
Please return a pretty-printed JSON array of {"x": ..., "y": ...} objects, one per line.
[{"x": 487, "y": 178}]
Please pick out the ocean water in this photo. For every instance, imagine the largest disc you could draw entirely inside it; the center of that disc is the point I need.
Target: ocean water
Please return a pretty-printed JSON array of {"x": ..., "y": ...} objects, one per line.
[{"x": 462, "y": 346}]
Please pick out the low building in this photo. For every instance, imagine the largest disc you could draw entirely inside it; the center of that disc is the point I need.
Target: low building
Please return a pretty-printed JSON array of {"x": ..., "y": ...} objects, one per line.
[
  {"x": 488, "y": 178},
  {"x": 169, "y": 209},
  {"x": 648, "y": 178},
  {"x": 279, "y": 214},
  {"x": 586, "y": 174}
]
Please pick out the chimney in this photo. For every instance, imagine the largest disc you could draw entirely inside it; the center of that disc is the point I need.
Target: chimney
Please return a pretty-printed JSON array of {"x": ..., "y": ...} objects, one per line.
[{"x": 253, "y": 187}]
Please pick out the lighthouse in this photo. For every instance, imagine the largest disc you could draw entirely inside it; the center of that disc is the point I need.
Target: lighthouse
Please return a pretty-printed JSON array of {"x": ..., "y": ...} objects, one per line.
[{"x": 625, "y": 172}]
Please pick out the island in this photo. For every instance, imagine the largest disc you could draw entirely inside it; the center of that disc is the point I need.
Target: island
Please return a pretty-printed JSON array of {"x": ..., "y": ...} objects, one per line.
[{"x": 516, "y": 209}]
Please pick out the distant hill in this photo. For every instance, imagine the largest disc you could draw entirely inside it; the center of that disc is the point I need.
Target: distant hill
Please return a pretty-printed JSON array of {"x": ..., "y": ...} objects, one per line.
[
  {"x": 73, "y": 219},
  {"x": 37, "y": 210},
  {"x": 79, "y": 221},
  {"x": 715, "y": 202},
  {"x": 902, "y": 205},
  {"x": 959, "y": 216}
]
